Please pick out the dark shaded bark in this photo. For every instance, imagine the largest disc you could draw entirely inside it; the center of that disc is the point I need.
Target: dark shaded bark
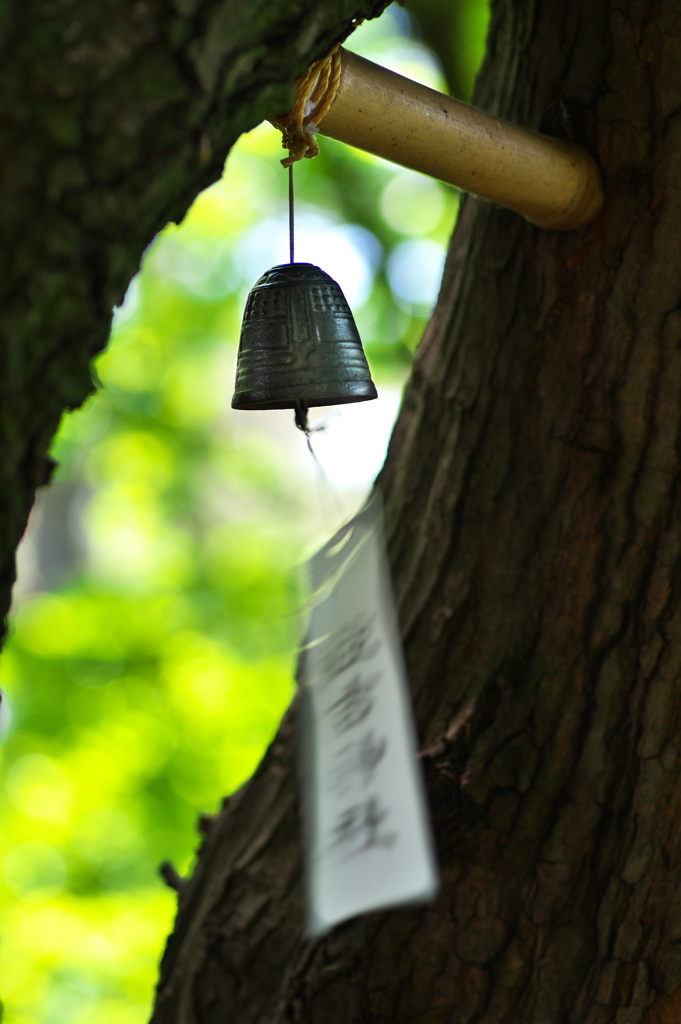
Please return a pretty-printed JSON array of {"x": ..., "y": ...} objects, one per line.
[
  {"x": 113, "y": 116},
  {"x": 532, "y": 501}
]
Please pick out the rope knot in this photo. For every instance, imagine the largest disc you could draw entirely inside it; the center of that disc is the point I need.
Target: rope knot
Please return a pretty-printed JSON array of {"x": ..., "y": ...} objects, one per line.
[{"x": 315, "y": 92}]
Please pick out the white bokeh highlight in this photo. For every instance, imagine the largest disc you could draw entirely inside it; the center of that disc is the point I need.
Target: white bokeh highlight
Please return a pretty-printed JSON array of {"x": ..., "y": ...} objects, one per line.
[
  {"x": 414, "y": 272},
  {"x": 349, "y": 253}
]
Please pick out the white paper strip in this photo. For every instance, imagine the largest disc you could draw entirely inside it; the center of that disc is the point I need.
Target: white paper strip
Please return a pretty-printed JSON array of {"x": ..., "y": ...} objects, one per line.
[{"x": 368, "y": 835}]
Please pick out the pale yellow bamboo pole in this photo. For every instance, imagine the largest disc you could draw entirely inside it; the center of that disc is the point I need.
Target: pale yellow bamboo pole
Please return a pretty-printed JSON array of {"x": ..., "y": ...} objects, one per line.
[{"x": 554, "y": 184}]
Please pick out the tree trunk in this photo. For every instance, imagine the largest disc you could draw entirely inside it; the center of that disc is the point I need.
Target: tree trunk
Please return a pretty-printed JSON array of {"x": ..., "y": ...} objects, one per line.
[
  {"x": 532, "y": 504},
  {"x": 114, "y": 116}
]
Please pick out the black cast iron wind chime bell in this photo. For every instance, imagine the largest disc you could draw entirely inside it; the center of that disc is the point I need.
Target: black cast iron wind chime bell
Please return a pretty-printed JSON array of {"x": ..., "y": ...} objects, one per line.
[{"x": 299, "y": 344}]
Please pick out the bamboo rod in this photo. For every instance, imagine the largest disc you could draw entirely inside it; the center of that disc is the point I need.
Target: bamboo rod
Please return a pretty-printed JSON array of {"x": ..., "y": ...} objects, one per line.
[{"x": 554, "y": 184}]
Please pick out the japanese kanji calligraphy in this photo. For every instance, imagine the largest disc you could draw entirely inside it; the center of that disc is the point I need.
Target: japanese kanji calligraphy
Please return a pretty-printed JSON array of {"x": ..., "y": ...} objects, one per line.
[{"x": 368, "y": 837}]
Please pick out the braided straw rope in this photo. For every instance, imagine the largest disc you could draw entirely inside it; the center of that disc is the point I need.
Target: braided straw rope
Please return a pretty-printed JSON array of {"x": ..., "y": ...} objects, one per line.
[{"x": 315, "y": 92}]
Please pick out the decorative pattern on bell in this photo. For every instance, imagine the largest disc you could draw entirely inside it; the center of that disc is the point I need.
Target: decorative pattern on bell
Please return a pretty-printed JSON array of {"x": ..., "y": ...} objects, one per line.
[{"x": 299, "y": 343}]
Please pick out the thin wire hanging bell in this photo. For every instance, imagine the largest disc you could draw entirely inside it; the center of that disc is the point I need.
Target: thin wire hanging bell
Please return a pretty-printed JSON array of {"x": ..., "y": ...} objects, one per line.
[{"x": 299, "y": 344}]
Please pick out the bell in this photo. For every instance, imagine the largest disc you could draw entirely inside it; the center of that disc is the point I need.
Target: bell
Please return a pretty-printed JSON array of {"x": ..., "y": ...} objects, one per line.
[{"x": 299, "y": 344}]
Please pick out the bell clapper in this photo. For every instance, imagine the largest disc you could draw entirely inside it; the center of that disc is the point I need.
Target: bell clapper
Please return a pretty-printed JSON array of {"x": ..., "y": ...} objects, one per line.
[
  {"x": 301, "y": 420},
  {"x": 303, "y": 423}
]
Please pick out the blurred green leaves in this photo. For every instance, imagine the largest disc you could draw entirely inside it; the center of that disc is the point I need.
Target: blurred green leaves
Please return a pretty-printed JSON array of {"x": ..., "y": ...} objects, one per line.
[{"x": 153, "y": 638}]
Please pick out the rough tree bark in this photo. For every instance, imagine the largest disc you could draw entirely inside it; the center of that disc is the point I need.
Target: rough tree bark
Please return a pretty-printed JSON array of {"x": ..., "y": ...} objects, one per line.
[
  {"x": 113, "y": 116},
  {"x": 532, "y": 498}
]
